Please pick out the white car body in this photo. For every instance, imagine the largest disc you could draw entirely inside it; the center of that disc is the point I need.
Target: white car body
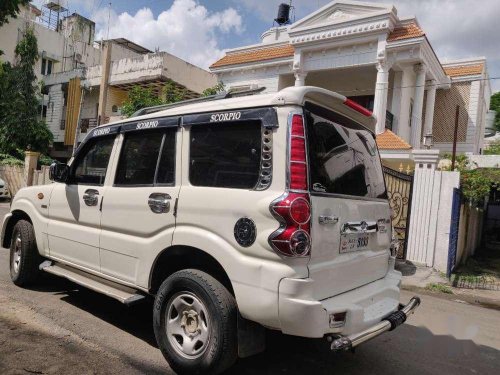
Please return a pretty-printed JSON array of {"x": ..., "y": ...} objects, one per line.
[{"x": 121, "y": 240}]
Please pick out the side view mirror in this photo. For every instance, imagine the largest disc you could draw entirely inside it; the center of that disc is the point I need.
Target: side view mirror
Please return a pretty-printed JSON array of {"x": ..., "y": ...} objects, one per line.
[{"x": 58, "y": 172}]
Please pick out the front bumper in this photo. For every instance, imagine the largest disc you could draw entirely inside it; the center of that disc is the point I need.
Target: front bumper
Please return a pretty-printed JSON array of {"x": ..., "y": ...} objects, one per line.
[{"x": 342, "y": 343}]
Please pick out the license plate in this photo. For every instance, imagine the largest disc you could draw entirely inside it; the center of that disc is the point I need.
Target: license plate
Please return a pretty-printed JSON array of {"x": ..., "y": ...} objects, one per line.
[{"x": 353, "y": 242}]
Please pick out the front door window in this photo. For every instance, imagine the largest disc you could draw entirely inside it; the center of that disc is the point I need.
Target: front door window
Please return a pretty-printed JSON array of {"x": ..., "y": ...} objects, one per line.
[{"x": 91, "y": 163}]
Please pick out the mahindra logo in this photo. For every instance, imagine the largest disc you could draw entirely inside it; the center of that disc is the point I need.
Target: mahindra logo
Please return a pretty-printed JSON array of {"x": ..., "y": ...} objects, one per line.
[{"x": 228, "y": 116}]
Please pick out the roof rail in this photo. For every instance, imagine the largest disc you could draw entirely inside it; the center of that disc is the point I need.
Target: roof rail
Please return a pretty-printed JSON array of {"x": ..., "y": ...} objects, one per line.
[{"x": 222, "y": 95}]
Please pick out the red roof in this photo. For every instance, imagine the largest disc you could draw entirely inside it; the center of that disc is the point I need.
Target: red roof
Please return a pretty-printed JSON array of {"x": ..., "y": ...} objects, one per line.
[
  {"x": 406, "y": 31},
  {"x": 390, "y": 141},
  {"x": 261, "y": 54}
]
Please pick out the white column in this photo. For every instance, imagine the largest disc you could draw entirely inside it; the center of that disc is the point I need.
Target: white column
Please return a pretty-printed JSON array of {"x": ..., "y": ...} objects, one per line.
[
  {"x": 418, "y": 106},
  {"x": 298, "y": 69},
  {"x": 381, "y": 90},
  {"x": 429, "y": 108},
  {"x": 300, "y": 78}
]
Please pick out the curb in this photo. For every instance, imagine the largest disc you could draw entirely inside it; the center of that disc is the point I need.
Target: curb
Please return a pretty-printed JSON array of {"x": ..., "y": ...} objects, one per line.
[{"x": 489, "y": 303}]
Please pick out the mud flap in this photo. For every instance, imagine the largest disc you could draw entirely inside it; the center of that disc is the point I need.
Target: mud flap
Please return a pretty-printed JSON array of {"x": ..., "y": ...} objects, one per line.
[{"x": 251, "y": 338}]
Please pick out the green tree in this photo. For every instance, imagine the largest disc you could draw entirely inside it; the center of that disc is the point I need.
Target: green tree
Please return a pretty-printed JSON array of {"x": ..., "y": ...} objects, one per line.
[
  {"x": 495, "y": 106},
  {"x": 10, "y": 8},
  {"x": 218, "y": 88},
  {"x": 139, "y": 98},
  {"x": 172, "y": 94},
  {"x": 20, "y": 126},
  {"x": 493, "y": 149}
]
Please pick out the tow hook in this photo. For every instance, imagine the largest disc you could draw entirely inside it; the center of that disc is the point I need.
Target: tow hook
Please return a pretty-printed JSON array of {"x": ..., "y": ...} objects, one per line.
[{"x": 346, "y": 343}]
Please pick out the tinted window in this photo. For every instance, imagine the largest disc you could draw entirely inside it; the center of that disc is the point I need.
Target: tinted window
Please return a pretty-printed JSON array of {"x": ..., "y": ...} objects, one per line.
[
  {"x": 92, "y": 162},
  {"x": 343, "y": 156},
  {"x": 138, "y": 159},
  {"x": 225, "y": 155}
]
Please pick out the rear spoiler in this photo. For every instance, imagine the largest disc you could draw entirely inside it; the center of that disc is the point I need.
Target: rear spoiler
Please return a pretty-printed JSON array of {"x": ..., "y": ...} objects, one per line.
[{"x": 329, "y": 99}]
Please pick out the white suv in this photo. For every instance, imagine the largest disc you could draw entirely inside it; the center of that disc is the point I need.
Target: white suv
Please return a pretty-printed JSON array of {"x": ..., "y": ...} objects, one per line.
[{"x": 235, "y": 214}]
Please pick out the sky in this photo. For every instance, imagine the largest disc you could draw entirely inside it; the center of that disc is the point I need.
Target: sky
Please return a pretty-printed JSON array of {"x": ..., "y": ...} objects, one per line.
[{"x": 200, "y": 30}]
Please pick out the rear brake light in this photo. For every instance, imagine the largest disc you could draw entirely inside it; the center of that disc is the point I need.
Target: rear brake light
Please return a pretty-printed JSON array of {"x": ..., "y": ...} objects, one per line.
[
  {"x": 293, "y": 210},
  {"x": 357, "y": 107},
  {"x": 298, "y": 159},
  {"x": 300, "y": 211},
  {"x": 293, "y": 238}
]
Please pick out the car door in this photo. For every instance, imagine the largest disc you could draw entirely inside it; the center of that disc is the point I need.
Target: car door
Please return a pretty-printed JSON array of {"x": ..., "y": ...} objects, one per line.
[
  {"x": 74, "y": 208},
  {"x": 351, "y": 230},
  {"x": 138, "y": 212}
]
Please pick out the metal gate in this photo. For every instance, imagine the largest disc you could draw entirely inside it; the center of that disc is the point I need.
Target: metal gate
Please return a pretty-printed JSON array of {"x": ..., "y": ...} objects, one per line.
[
  {"x": 455, "y": 221},
  {"x": 399, "y": 191}
]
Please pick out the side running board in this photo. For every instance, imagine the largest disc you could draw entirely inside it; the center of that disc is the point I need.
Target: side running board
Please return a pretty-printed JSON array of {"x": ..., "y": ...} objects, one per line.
[{"x": 125, "y": 295}]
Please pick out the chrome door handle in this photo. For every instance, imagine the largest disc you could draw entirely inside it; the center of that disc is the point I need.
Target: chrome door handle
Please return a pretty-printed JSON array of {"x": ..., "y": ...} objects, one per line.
[
  {"x": 91, "y": 197},
  {"x": 325, "y": 220},
  {"x": 159, "y": 203},
  {"x": 359, "y": 227}
]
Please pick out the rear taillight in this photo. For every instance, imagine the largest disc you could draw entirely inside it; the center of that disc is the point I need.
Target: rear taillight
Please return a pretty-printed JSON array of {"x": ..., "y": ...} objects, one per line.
[
  {"x": 293, "y": 210},
  {"x": 297, "y": 157}
]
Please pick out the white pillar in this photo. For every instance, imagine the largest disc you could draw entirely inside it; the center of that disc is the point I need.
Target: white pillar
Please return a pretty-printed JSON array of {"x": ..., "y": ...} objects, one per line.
[
  {"x": 381, "y": 90},
  {"x": 425, "y": 202},
  {"x": 407, "y": 88},
  {"x": 300, "y": 78},
  {"x": 298, "y": 69},
  {"x": 429, "y": 108},
  {"x": 418, "y": 106}
]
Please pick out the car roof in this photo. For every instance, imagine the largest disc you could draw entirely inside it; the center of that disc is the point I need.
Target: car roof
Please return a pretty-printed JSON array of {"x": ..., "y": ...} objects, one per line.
[{"x": 288, "y": 96}]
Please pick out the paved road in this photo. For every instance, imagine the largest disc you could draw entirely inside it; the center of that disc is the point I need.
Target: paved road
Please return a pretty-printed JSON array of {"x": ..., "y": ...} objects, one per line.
[{"x": 60, "y": 328}]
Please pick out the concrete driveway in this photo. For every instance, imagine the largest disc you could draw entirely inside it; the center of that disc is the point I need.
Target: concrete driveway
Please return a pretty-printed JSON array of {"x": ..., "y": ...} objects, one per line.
[{"x": 61, "y": 328}]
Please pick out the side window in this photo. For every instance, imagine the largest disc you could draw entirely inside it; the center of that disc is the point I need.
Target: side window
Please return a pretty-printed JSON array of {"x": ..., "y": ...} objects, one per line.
[
  {"x": 91, "y": 163},
  {"x": 138, "y": 159},
  {"x": 225, "y": 155},
  {"x": 138, "y": 164}
]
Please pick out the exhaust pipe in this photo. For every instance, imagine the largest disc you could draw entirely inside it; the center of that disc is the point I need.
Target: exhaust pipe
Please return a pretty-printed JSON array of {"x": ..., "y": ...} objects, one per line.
[{"x": 345, "y": 343}]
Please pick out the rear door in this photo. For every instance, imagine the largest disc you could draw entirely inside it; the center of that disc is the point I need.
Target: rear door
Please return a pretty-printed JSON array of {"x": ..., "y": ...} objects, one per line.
[
  {"x": 351, "y": 226},
  {"x": 138, "y": 217}
]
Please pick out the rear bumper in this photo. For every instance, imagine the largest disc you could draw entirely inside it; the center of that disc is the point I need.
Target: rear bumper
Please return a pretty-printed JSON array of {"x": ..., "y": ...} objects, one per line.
[
  {"x": 342, "y": 343},
  {"x": 366, "y": 306}
]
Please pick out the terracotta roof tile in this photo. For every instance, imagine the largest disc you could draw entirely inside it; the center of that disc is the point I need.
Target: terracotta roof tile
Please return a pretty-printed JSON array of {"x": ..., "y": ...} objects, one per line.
[
  {"x": 463, "y": 70},
  {"x": 407, "y": 31},
  {"x": 261, "y": 54},
  {"x": 390, "y": 141}
]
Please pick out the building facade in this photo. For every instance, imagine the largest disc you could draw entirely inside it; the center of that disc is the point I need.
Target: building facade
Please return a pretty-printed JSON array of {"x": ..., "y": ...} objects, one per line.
[
  {"x": 85, "y": 81},
  {"x": 385, "y": 62}
]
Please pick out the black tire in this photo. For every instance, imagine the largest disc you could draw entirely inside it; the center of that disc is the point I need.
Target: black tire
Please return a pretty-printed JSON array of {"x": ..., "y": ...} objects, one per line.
[
  {"x": 24, "y": 256},
  {"x": 221, "y": 348}
]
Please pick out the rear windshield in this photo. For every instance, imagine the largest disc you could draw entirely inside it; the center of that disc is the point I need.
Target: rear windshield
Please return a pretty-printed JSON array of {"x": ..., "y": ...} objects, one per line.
[{"x": 343, "y": 156}]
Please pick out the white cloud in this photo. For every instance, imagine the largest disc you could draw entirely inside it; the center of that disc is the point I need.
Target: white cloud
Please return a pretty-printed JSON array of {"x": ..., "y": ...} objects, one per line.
[{"x": 187, "y": 29}]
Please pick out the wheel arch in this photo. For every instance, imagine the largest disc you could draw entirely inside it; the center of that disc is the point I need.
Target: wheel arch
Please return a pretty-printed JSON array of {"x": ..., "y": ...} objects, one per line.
[
  {"x": 178, "y": 257},
  {"x": 9, "y": 228}
]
